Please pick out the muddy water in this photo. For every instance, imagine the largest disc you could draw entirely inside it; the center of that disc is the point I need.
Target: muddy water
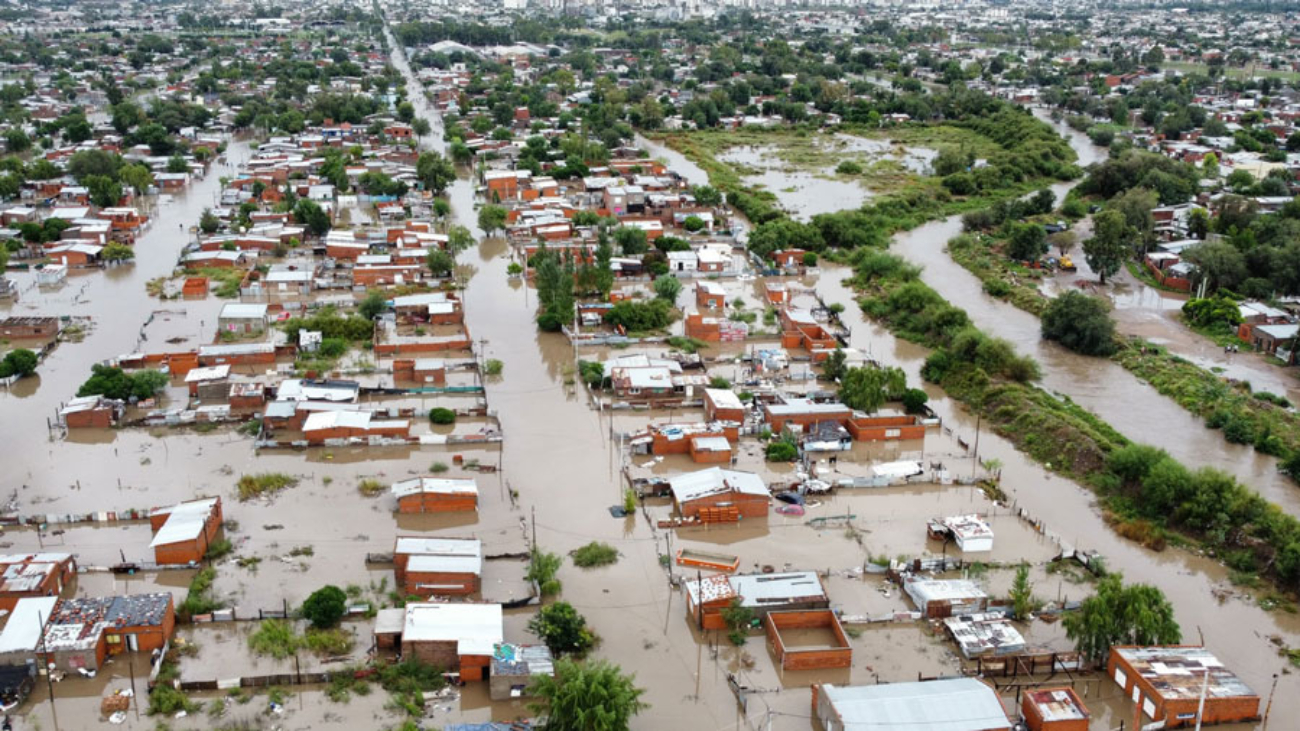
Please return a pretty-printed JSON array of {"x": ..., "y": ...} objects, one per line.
[{"x": 559, "y": 458}]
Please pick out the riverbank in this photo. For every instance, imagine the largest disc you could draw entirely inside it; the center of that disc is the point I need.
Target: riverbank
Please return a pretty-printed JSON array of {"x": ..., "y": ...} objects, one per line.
[{"x": 1245, "y": 417}]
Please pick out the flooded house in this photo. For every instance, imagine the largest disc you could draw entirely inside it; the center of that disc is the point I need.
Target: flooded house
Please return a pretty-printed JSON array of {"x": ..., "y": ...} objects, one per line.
[
  {"x": 420, "y": 370},
  {"x": 212, "y": 382},
  {"x": 984, "y": 635},
  {"x": 515, "y": 667},
  {"x": 242, "y": 319},
  {"x": 1053, "y": 709},
  {"x": 939, "y": 598},
  {"x": 29, "y": 328},
  {"x": 435, "y": 495},
  {"x": 722, "y": 404},
  {"x": 25, "y": 575},
  {"x": 21, "y": 637},
  {"x": 707, "y": 597},
  {"x": 183, "y": 532},
  {"x": 91, "y": 412},
  {"x": 971, "y": 533},
  {"x": 720, "y": 495},
  {"x": 458, "y": 637},
  {"x": 953, "y": 704},
  {"x": 324, "y": 426},
  {"x": 1168, "y": 682},
  {"x": 83, "y": 632},
  {"x": 428, "y": 567},
  {"x": 809, "y": 639}
]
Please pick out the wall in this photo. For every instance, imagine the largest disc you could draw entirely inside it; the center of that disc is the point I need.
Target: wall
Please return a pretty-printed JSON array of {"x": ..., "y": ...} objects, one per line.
[
  {"x": 820, "y": 658},
  {"x": 437, "y": 503},
  {"x": 750, "y": 506}
]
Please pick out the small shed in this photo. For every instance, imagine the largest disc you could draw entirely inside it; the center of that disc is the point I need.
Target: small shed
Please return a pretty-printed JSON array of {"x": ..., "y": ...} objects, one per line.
[
  {"x": 428, "y": 567},
  {"x": 514, "y": 667},
  {"x": 939, "y": 598},
  {"x": 184, "y": 531},
  {"x": 1053, "y": 709},
  {"x": 718, "y": 495},
  {"x": 459, "y": 636},
  {"x": 436, "y": 495}
]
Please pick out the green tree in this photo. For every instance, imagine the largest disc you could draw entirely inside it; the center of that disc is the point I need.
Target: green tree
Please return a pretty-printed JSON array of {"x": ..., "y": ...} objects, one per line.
[
  {"x": 459, "y": 239},
  {"x": 867, "y": 388},
  {"x": 1108, "y": 247},
  {"x": 1210, "y": 166},
  {"x": 1022, "y": 593},
  {"x": 325, "y": 607},
  {"x": 372, "y": 306},
  {"x": 738, "y": 618},
  {"x": 491, "y": 218},
  {"x": 435, "y": 172},
  {"x": 604, "y": 270},
  {"x": 105, "y": 192},
  {"x": 667, "y": 287},
  {"x": 1080, "y": 323},
  {"x": 17, "y": 141},
  {"x": 20, "y": 362},
  {"x": 138, "y": 177},
  {"x": 562, "y": 629},
  {"x": 593, "y": 696},
  {"x": 208, "y": 221},
  {"x": 177, "y": 164},
  {"x": 707, "y": 195},
  {"x": 1198, "y": 223},
  {"x": 117, "y": 251},
  {"x": 311, "y": 215},
  {"x": 440, "y": 262},
  {"x": 631, "y": 240},
  {"x": 420, "y": 126},
  {"x": 1116, "y": 614},
  {"x": 1028, "y": 242},
  {"x": 1219, "y": 264}
]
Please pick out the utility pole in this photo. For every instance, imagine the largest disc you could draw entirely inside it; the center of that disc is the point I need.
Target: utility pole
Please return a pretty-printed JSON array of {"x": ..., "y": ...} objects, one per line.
[
  {"x": 979, "y": 418},
  {"x": 1200, "y": 706},
  {"x": 1268, "y": 708},
  {"x": 534, "y": 522}
]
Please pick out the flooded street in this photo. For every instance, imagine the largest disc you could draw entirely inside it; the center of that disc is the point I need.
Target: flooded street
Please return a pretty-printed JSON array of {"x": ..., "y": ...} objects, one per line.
[{"x": 560, "y": 459}]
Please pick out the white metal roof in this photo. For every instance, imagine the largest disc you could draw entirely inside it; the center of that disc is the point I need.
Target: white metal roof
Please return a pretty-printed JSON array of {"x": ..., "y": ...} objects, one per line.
[
  {"x": 336, "y": 419},
  {"x": 23, "y": 631},
  {"x": 715, "y": 480},
  {"x": 442, "y": 486},
  {"x": 475, "y": 628},
  {"x": 724, "y": 398},
  {"x": 242, "y": 311},
  {"x": 209, "y": 373},
  {"x": 185, "y": 522},
  {"x": 957, "y": 704}
]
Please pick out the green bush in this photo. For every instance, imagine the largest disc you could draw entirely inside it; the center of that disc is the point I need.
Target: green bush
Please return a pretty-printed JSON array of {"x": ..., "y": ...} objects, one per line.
[
  {"x": 325, "y": 607},
  {"x": 439, "y": 415},
  {"x": 782, "y": 451},
  {"x": 595, "y": 554}
]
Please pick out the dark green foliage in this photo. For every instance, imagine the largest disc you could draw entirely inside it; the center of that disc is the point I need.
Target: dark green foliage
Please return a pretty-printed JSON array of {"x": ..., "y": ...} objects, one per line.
[
  {"x": 325, "y": 607},
  {"x": 641, "y": 316},
  {"x": 112, "y": 382},
  {"x": 562, "y": 629},
  {"x": 1080, "y": 323},
  {"x": 439, "y": 415},
  {"x": 20, "y": 362},
  {"x": 331, "y": 325},
  {"x": 592, "y": 696}
]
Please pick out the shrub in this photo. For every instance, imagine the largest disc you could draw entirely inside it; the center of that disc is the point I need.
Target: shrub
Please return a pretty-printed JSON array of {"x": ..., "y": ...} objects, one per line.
[
  {"x": 782, "y": 451},
  {"x": 1080, "y": 323},
  {"x": 265, "y": 483},
  {"x": 493, "y": 367},
  {"x": 274, "y": 638},
  {"x": 562, "y": 628},
  {"x": 914, "y": 400},
  {"x": 595, "y": 554},
  {"x": 21, "y": 362},
  {"x": 370, "y": 487},
  {"x": 439, "y": 415},
  {"x": 542, "y": 569},
  {"x": 325, "y": 607},
  {"x": 848, "y": 167}
]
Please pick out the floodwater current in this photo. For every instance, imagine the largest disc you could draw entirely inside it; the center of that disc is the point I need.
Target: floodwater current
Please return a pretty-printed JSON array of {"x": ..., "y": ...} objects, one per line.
[{"x": 559, "y": 457}]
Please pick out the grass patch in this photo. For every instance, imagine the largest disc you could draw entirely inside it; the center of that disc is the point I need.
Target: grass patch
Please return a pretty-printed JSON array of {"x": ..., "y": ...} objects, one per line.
[
  {"x": 595, "y": 554},
  {"x": 264, "y": 484},
  {"x": 493, "y": 367},
  {"x": 223, "y": 282},
  {"x": 371, "y": 487},
  {"x": 199, "y": 600},
  {"x": 219, "y": 548},
  {"x": 407, "y": 682}
]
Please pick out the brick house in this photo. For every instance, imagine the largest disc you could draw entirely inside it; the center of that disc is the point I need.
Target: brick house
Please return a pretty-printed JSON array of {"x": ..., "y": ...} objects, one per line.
[
  {"x": 460, "y": 637},
  {"x": 1167, "y": 681},
  {"x": 428, "y": 567},
  {"x": 707, "y": 597},
  {"x": 34, "y": 575},
  {"x": 183, "y": 532},
  {"x": 1053, "y": 709},
  {"x": 435, "y": 495},
  {"x": 84, "y": 632},
  {"x": 730, "y": 494}
]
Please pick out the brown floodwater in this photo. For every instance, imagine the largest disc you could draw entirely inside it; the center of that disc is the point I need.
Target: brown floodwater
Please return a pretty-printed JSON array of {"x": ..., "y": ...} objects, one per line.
[{"x": 560, "y": 459}]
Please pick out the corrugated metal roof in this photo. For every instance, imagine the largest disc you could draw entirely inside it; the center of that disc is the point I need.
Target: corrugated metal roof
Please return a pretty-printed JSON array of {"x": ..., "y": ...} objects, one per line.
[{"x": 959, "y": 704}]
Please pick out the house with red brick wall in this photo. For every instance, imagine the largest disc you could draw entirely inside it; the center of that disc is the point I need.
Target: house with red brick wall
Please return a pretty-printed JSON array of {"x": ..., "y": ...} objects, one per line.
[{"x": 437, "y": 567}]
